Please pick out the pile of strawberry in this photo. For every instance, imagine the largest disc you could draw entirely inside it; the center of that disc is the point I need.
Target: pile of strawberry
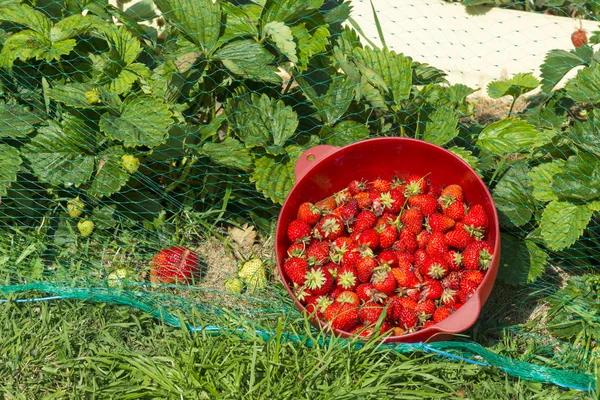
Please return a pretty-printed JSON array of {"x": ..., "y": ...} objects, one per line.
[{"x": 408, "y": 249}]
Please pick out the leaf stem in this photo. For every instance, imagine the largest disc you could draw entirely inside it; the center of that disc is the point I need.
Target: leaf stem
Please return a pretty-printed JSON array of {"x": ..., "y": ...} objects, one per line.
[{"x": 512, "y": 106}]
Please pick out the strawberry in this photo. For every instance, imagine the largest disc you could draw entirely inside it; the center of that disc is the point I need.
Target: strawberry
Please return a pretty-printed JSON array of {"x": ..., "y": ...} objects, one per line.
[
  {"x": 407, "y": 242},
  {"x": 454, "y": 260},
  {"x": 382, "y": 185},
  {"x": 424, "y": 202},
  {"x": 318, "y": 304},
  {"x": 439, "y": 223},
  {"x": 425, "y": 309},
  {"x": 415, "y": 185},
  {"x": 449, "y": 297},
  {"x": 428, "y": 324},
  {"x": 437, "y": 246},
  {"x": 330, "y": 227},
  {"x": 364, "y": 291},
  {"x": 476, "y": 221},
  {"x": 369, "y": 237},
  {"x": 356, "y": 187},
  {"x": 347, "y": 278},
  {"x": 412, "y": 219},
  {"x": 579, "y": 38},
  {"x": 326, "y": 205},
  {"x": 392, "y": 201},
  {"x": 174, "y": 265},
  {"x": 423, "y": 239},
  {"x": 364, "y": 220},
  {"x": 319, "y": 281},
  {"x": 351, "y": 258},
  {"x": 420, "y": 257},
  {"x": 298, "y": 231},
  {"x": 332, "y": 268},
  {"x": 433, "y": 289},
  {"x": 349, "y": 210},
  {"x": 75, "y": 207},
  {"x": 370, "y": 312},
  {"x": 398, "y": 331},
  {"x": 387, "y": 236},
  {"x": 474, "y": 276},
  {"x": 452, "y": 280},
  {"x": 365, "y": 268},
  {"x": 405, "y": 259},
  {"x": 348, "y": 296},
  {"x": 405, "y": 278},
  {"x": 342, "y": 316},
  {"x": 85, "y": 227},
  {"x": 318, "y": 253},
  {"x": 388, "y": 257},
  {"x": 435, "y": 268},
  {"x": 308, "y": 213},
  {"x": 302, "y": 294},
  {"x": 455, "y": 210},
  {"x": 407, "y": 318},
  {"x": 339, "y": 247},
  {"x": 297, "y": 250},
  {"x": 462, "y": 297},
  {"x": 383, "y": 280},
  {"x": 342, "y": 197},
  {"x": 449, "y": 195},
  {"x": 441, "y": 314},
  {"x": 478, "y": 255},
  {"x": 364, "y": 200},
  {"x": 295, "y": 268},
  {"x": 458, "y": 238},
  {"x": 468, "y": 286}
]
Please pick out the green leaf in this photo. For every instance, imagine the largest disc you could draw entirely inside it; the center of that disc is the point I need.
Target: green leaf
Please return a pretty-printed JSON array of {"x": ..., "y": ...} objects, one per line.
[
  {"x": 62, "y": 155},
  {"x": 241, "y": 21},
  {"x": 309, "y": 44},
  {"x": 332, "y": 104},
  {"x": 83, "y": 95},
  {"x": 21, "y": 14},
  {"x": 143, "y": 121},
  {"x": 563, "y": 223},
  {"x": 110, "y": 175},
  {"x": 281, "y": 35},
  {"x": 230, "y": 153},
  {"x": 515, "y": 87},
  {"x": 522, "y": 261},
  {"x": 17, "y": 121},
  {"x": 586, "y": 135},
  {"x": 579, "y": 180},
  {"x": 104, "y": 217},
  {"x": 10, "y": 164},
  {"x": 559, "y": 62},
  {"x": 198, "y": 20},
  {"x": 424, "y": 74},
  {"x": 72, "y": 26},
  {"x": 512, "y": 135},
  {"x": 289, "y": 10},
  {"x": 542, "y": 177},
  {"x": 466, "y": 155},
  {"x": 513, "y": 196},
  {"x": 262, "y": 122},
  {"x": 344, "y": 133},
  {"x": 250, "y": 60},
  {"x": 124, "y": 48},
  {"x": 585, "y": 87},
  {"x": 273, "y": 177},
  {"x": 441, "y": 127}
]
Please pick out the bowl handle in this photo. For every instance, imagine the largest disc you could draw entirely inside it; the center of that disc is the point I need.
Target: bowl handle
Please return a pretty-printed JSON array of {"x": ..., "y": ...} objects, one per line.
[{"x": 310, "y": 157}]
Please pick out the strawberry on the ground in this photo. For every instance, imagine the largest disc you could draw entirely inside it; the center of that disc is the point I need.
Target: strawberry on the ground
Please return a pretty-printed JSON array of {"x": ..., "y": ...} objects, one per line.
[
  {"x": 412, "y": 219},
  {"x": 387, "y": 236},
  {"x": 330, "y": 227},
  {"x": 326, "y": 205},
  {"x": 347, "y": 278},
  {"x": 309, "y": 213},
  {"x": 383, "y": 280},
  {"x": 369, "y": 237},
  {"x": 348, "y": 296},
  {"x": 364, "y": 200},
  {"x": 342, "y": 316},
  {"x": 318, "y": 253},
  {"x": 476, "y": 221},
  {"x": 434, "y": 268},
  {"x": 432, "y": 289},
  {"x": 174, "y": 265},
  {"x": 455, "y": 210},
  {"x": 364, "y": 220},
  {"x": 298, "y": 231},
  {"x": 356, "y": 187},
  {"x": 370, "y": 312},
  {"x": 295, "y": 268},
  {"x": 439, "y": 223},
  {"x": 365, "y": 268},
  {"x": 319, "y": 281},
  {"x": 415, "y": 185},
  {"x": 478, "y": 255},
  {"x": 423, "y": 202},
  {"x": 441, "y": 313},
  {"x": 382, "y": 185},
  {"x": 437, "y": 246},
  {"x": 458, "y": 237}
]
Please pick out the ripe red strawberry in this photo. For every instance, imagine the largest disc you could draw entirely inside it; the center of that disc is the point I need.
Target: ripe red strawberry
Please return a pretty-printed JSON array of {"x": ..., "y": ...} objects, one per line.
[
  {"x": 356, "y": 187},
  {"x": 364, "y": 220},
  {"x": 435, "y": 268},
  {"x": 423, "y": 239},
  {"x": 297, "y": 250},
  {"x": 326, "y": 205},
  {"x": 454, "y": 260},
  {"x": 342, "y": 316},
  {"x": 476, "y": 221},
  {"x": 309, "y": 213},
  {"x": 437, "y": 246},
  {"x": 365, "y": 268},
  {"x": 364, "y": 291},
  {"x": 387, "y": 236},
  {"x": 388, "y": 257},
  {"x": 458, "y": 237},
  {"x": 348, "y": 296},
  {"x": 428, "y": 324},
  {"x": 405, "y": 259},
  {"x": 392, "y": 201},
  {"x": 174, "y": 265},
  {"x": 302, "y": 294},
  {"x": 450, "y": 194},
  {"x": 412, "y": 219},
  {"x": 342, "y": 197},
  {"x": 425, "y": 309},
  {"x": 407, "y": 242},
  {"x": 462, "y": 297},
  {"x": 298, "y": 231},
  {"x": 318, "y": 253},
  {"x": 382, "y": 185},
  {"x": 455, "y": 210},
  {"x": 364, "y": 200},
  {"x": 370, "y": 312},
  {"x": 478, "y": 255},
  {"x": 330, "y": 227},
  {"x": 339, "y": 247},
  {"x": 332, "y": 268},
  {"x": 407, "y": 318},
  {"x": 405, "y": 278},
  {"x": 441, "y": 314},
  {"x": 433, "y": 289},
  {"x": 369, "y": 237},
  {"x": 351, "y": 258},
  {"x": 415, "y": 185},
  {"x": 452, "y": 280},
  {"x": 424, "y": 202},
  {"x": 468, "y": 286},
  {"x": 579, "y": 38},
  {"x": 475, "y": 276},
  {"x": 295, "y": 268},
  {"x": 347, "y": 278},
  {"x": 440, "y": 223},
  {"x": 319, "y": 281},
  {"x": 449, "y": 298},
  {"x": 383, "y": 280},
  {"x": 420, "y": 257},
  {"x": 349, "y": 210},
  {"x": 318, "y": 305}
]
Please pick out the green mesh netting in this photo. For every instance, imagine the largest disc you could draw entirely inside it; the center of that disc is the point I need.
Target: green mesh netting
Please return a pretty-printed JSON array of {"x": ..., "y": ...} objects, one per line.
[{"x": 129, "y": 128}]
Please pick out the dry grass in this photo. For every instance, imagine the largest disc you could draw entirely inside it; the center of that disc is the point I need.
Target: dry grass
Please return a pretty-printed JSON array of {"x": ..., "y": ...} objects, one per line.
[{"x": 490, "y": 110}]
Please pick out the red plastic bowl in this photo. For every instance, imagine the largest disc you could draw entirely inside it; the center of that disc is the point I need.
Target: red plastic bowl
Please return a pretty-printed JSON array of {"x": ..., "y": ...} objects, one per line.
[{"x": 324, "y": 170}]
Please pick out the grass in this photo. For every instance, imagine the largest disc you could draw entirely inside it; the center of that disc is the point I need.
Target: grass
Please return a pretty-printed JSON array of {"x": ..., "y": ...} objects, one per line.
[{"x": 72, "y": 350}]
